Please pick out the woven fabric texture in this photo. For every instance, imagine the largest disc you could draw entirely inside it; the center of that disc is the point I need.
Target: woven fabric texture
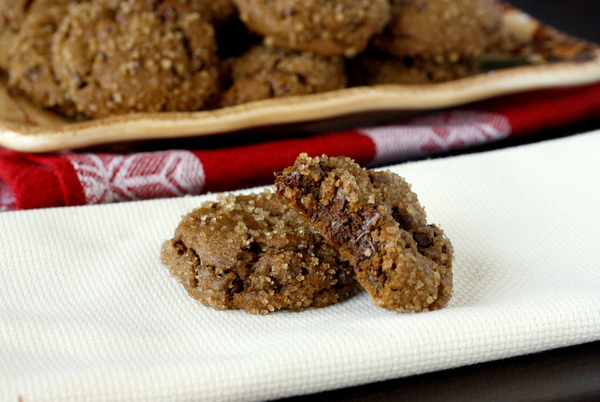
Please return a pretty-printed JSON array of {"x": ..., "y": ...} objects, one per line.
[{"x": 87, "y": 311}]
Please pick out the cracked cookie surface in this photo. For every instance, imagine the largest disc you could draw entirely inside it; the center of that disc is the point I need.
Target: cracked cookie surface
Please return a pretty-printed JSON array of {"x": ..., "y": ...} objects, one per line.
[
  {"x": 376, "y": 222},
  {"x": 253, "y": 252}
]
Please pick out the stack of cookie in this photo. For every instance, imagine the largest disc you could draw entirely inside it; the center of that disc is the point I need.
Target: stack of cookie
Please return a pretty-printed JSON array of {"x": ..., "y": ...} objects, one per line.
[
  {"x": 96, "y": 58},
  {"x": 332, "y": 227}
]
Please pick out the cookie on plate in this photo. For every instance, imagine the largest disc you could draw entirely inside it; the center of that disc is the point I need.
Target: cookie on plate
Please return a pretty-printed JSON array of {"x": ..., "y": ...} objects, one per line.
[
  {"x": 442, "y": 30},
  {"x": 30, "y": 68},
  {"x": 375, "y": 221},
  {"x": 264, "y": 72},
  {"x": 325, "y": 27},
  {"x": 12, "y": 15},
  {"x": 375, "y": 68},
  {"x": 252, "y": 252},
  {"x": 135, "y": 56}
]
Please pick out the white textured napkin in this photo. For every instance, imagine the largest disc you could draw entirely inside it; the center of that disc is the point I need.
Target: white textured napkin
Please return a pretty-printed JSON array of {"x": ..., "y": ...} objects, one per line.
[{"x": 88, "y": 312}]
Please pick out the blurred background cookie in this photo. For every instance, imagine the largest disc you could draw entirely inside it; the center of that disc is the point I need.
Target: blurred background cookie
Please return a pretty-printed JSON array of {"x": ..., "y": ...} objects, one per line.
[
  {"x": 442, "y": 30},
  {"x": 264, "y": 72},
  {"x": 374, "y": 68},
  {"x": 135, "y": 56},
  {"x": 30, "y": 70},
  {"x": 325, "y": 27},
  {"x": 12, "y": 15},
  {"x": 96, "y": 58},
  {"x": 252, "y": 252}
]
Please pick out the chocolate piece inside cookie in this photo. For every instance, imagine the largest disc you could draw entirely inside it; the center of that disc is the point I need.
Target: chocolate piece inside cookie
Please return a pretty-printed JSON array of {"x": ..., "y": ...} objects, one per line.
[
  {"x": 253, "y": 252},
  {"x": 375, "y": 221}
]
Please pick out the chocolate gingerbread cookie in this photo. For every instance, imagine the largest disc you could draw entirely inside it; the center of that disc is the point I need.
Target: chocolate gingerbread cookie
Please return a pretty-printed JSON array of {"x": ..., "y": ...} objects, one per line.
[
  {"x": 253, "y": 252},
  {"x": 325, "y": 27},
  {"x": 375, "y": 221},
  {"x": 135, "y": 56},
  {"x": 442, "y": 30},
  {"x": 264, "y": 72}
]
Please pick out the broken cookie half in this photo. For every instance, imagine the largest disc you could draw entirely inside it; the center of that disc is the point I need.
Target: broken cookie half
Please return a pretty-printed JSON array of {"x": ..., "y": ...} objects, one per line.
[
  {"x": 375, "y": 222},
  {"x": 253, "y": 252}
]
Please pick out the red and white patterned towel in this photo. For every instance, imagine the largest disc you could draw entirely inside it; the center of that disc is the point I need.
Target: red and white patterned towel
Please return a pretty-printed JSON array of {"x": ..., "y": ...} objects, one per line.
[{"x": 30, "y": 181}]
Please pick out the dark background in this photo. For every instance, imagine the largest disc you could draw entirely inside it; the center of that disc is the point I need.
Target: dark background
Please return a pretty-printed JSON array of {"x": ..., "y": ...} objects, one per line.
[
  {"x": 567, "y": 374},
  {"x": 580, "y": 18}
]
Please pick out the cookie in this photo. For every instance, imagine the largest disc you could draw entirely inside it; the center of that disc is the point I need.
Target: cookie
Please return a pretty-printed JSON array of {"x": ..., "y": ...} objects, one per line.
[
  {"x": 375, "y": 221},
  {"x": 252, "y": 252},
  {"x": 374, "y": 68},
  {"x": 442, "y": 30},
  {"x": 13, "y": 12},
  {"x": 325, "y": 27},
  {"x": 116, "y": 57},
  {"x": 264, "y": 72},
  {"x": 30, "y": 68},
  {"x": 12, "y": 16}
]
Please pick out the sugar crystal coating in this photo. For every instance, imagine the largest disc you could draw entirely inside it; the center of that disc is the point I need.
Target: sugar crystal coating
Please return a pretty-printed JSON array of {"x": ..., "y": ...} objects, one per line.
[
  {"x": 29, "y": 55},
  {"x": 375, "y": 221},
  {"x": 135, "y": 55},
  {"x": 252, "y": 252}
]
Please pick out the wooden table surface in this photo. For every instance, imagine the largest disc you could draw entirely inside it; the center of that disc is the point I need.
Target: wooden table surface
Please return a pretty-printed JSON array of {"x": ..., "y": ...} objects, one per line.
[{"x": 566, "y": 374}]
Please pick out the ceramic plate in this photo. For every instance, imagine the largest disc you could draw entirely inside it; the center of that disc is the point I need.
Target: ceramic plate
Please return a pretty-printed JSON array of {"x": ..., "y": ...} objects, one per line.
[{"x": 25, "y": 127}]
